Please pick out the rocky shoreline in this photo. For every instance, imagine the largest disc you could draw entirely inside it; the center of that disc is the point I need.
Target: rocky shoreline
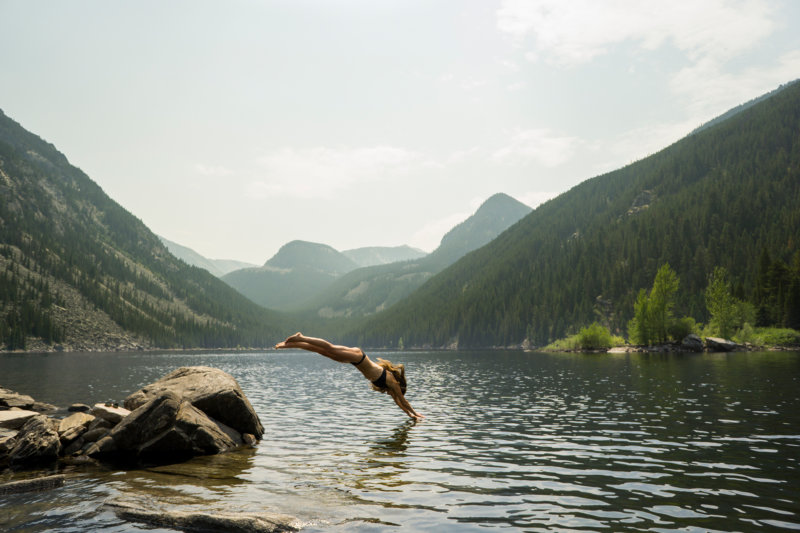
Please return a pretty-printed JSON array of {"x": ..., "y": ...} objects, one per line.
[
  {"x": 191, "y": 411},
  {"x": 692, "y": 343}
]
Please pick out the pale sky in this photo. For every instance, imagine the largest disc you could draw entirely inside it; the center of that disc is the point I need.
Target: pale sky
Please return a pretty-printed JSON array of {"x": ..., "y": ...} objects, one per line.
[{"x": 235, "y": 126}]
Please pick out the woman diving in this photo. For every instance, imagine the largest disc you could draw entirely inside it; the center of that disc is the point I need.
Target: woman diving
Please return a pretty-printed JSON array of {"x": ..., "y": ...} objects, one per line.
[{"x": 385, "y": 376}]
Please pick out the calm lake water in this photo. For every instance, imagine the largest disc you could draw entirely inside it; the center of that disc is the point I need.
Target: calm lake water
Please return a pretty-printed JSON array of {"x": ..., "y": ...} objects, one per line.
[{"x": 526, "y": 441}]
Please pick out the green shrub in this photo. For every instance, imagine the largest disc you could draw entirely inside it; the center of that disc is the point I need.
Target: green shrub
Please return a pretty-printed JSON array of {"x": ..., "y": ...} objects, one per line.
[
  {"x": 746, "y": 333},
  {"x": 561, "y": 345},
  {"x": 776, "y": 337},
  {"x": 594, "y": 337},
  {"x": 681, "y": 327}
]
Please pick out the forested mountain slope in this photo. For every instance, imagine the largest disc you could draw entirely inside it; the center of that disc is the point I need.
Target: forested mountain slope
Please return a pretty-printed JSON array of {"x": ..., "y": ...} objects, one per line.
[
  {"x": 79, "y": 271},
  {"x": 721, "y": 196},
  {"x": 370, "y": 290}
]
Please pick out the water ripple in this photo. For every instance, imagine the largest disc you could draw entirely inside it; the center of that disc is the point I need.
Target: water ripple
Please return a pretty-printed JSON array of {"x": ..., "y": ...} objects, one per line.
[{"x": 532, "y": 442}]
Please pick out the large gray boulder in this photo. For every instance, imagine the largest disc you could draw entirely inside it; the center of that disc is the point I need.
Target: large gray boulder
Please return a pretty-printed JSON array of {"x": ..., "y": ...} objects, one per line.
[
  {"x": 692, "y": 343},
  {"x": 164, "y": 427},
  {"x": 211, "y": 390},
  {"x": 36, "y": 441},
  {"x": 716, "y": 344}
]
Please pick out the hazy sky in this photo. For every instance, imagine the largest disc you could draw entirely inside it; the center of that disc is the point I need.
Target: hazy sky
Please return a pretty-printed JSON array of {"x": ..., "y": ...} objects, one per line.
[{"x": 235, "y": 126}]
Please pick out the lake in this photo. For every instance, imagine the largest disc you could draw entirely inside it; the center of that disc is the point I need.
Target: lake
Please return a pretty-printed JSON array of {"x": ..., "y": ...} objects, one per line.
[{"x": 512, "y": 440}]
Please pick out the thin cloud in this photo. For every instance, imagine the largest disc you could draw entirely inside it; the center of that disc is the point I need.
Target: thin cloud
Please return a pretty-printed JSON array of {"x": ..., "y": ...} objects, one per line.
[
  {"x": 320, "y": 171},
  {"x": 540, "y": 146},
  {"x": 710, "y": 35},
  {"x": 212, "y": 170},
  {"x": 575, "y": 32},
  {"x": 711, "y": 91}
]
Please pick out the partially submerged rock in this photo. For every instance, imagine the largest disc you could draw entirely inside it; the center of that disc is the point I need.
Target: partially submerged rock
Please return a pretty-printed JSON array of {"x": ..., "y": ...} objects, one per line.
[
  {"x": 191, "y": 411},
  {"x": 207, "y": 521},
  {"x": 211, "y": 390},
  {"x": 716, "y": 344},
  {"x": 166, "y": 426},
  {"x": 32, "y": 485}
]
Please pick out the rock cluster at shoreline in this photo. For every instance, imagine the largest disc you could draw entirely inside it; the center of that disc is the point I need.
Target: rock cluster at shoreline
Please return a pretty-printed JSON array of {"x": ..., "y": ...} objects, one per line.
[
  {"x": 191, "y": 411},
  {"x": 691, "y": 343}
]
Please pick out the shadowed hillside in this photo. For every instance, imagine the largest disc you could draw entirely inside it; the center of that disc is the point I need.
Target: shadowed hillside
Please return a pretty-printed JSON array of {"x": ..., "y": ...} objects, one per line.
[{"x": 77, "y": 271}]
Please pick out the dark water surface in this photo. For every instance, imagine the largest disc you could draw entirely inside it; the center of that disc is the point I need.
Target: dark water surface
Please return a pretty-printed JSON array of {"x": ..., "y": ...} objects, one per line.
[{"x": 526, "y": 441}]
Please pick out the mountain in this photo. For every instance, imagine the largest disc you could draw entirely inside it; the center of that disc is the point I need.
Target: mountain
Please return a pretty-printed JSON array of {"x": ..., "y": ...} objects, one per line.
[
  {"x": 492, "y": 218},
  {"x": 218, "y": 267},
  {"x": 78, "y": 271},
  {"x": 372, "y": 289},
  {"x": 297, "y": 272},
  {"x": 383, "y": 255},
  {"x": 727, "y": 195}
]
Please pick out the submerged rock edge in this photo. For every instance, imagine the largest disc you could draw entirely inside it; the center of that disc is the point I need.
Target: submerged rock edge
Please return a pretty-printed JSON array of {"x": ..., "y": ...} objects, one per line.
[{"x": 207, "y": 521}]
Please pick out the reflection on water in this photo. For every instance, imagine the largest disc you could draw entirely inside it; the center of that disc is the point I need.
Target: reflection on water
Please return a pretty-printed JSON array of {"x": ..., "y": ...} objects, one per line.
[{"x": 536, "y": 442}]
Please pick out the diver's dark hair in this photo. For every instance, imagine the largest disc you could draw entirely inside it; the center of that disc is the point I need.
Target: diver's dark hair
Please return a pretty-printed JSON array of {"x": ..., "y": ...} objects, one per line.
[{"x": 398, "y": 371}]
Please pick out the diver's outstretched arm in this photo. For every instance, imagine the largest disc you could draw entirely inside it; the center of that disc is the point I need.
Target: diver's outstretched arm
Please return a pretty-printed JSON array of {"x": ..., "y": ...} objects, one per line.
[{"x": 400, "y": 399}]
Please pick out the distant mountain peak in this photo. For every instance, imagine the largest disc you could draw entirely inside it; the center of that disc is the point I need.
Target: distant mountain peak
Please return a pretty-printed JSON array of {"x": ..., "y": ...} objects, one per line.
[
  {"x": 495, "y": 215},
  {"x": 218, "y": 267},
  {"x": 369, "y": 290},
  {"x": 311, "y": 255}
]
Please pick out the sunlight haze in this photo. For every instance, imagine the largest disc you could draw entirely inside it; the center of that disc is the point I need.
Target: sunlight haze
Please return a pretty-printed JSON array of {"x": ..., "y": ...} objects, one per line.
[{"x": 235, "y": 127}]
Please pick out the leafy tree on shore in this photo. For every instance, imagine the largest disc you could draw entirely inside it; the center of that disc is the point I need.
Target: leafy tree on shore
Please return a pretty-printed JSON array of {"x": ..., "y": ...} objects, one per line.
[
  {"x": 653, "y": 315},
  {"x": 727, "y": 312}
]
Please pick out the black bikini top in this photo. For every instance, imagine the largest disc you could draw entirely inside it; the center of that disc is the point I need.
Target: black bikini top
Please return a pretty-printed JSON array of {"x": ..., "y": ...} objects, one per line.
[
  {"x": 381, "y": 381},
  {"x": 360, "y": 360}
]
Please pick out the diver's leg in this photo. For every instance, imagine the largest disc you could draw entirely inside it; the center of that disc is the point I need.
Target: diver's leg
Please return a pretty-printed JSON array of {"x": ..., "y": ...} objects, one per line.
[{"x": 342, "y": 354}]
